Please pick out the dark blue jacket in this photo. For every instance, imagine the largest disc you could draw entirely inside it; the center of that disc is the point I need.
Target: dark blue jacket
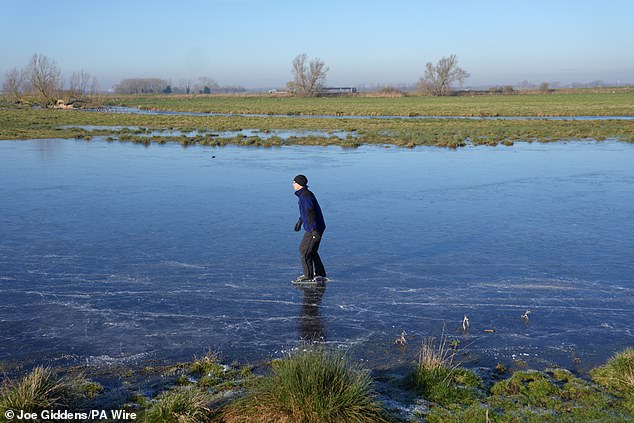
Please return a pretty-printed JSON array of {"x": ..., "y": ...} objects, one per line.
[{"x": 310, "y": 212}]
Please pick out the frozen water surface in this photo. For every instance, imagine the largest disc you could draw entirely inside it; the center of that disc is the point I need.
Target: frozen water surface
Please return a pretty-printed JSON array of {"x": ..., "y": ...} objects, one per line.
[{"x": 120, "y": 253}]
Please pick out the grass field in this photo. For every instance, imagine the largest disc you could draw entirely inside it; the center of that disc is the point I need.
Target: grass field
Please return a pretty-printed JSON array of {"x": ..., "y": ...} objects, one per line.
[
  {"x": 29, "y": 123},
  {"x": 619, "y": 103}
]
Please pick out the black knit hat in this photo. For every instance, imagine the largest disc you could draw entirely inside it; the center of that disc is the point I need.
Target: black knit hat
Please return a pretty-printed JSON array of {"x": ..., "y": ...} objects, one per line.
[{"x": 301, "y": 180}]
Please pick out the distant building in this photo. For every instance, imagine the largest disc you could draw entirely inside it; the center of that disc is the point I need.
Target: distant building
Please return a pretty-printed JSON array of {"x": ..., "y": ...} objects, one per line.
[{"x": 338, "y": 90}]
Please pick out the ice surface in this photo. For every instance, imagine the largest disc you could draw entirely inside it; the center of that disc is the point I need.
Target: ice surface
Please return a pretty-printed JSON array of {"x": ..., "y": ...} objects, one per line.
[{"x": 119, "y": 253}]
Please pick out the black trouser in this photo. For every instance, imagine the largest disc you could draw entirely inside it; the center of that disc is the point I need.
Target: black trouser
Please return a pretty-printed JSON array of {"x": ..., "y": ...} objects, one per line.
[{"x": 311, "y": 262}]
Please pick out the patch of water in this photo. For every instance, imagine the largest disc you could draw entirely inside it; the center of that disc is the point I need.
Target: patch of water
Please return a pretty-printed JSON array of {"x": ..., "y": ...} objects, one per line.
[
  {"x": 284, "y": 134},
  {"x": 119, "y": 253}
]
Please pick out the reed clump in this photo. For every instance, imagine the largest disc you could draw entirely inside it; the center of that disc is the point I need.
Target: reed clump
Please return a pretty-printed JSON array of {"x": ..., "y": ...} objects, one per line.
[
  {"x": 44, "y": 389},
  {"x": 309, "y": 386},
  {"x": 438, "y": 379},
  {"x": 184, "y": 404}
]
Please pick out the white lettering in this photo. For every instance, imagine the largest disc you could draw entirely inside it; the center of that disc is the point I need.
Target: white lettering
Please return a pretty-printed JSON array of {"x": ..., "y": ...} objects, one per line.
[
  {"x": 122, "y": 415},
  {"x": 26, "y": 416},
  {"x": 62, "y": 415},
  {"x": 98, "y": 414}
]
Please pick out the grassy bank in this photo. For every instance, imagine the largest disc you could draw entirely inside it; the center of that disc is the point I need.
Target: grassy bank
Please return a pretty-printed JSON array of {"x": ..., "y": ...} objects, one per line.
[{"x": 315, "y": 385}]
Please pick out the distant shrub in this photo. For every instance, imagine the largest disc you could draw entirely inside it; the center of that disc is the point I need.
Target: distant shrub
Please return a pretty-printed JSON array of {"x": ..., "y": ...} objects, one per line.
[{"x": 390, "y": 91}]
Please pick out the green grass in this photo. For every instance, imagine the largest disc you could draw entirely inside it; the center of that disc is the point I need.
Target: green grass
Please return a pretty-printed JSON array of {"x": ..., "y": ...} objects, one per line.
[
  {"x": 184, "y": 404},
  {"x": 617, "y": 375},
  {"x": 605, "y": 103},
  {"x": 437, "y": 379},
  {"x": 309, "y": 386},
  {"x": 27, "y": 123},
  {"x": 35, "y": 124},
  {"x": 322, "y": 387},
  {"x": 207, "y": 365},
  {"x": 555, "y": 395}
]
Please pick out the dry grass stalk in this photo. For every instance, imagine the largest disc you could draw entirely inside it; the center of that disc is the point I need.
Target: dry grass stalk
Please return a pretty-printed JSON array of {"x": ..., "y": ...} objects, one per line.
[{"x": 434, "y": 357}]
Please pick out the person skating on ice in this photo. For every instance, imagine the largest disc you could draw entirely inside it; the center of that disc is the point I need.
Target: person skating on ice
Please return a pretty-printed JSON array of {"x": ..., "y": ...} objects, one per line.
[{"x": 311, "y": 220}]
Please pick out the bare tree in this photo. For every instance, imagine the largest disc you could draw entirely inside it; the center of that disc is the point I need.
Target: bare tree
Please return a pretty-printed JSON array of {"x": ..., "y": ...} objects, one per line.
[
  {"x": 13, "y": 83},
  {"x": 79, "y": 83},
  {"x": 439, "y": 77},
  {"x": 94, "y": 86},
  {"x": 187, "y": 85},
  {"x": 308, "y": 79},
  {"x": 44, "y": 76}
]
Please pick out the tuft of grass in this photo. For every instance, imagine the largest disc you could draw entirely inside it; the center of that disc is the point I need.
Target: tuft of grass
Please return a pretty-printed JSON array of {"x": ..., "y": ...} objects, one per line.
[
  {"x": 310, "y": 386},
  {"x": 207, "y": 365},
  {"x": 183, "y": 404},
  {"x": 437, "y": 379},
  {"x": 435, "y": 358},
  {"x": 618, "y": 373},
  {"x": 617, "y": 376},
  {"x": 44, "y": 389},
  {"x": 91, "y": 389}
]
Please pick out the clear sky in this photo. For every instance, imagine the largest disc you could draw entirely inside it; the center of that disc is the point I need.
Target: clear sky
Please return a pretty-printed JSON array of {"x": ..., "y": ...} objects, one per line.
[{"x": 253, "y": 42}]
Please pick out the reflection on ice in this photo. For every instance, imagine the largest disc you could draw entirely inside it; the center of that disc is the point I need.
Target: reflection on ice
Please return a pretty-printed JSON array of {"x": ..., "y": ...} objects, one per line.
[{"x": 311, "y": 327}]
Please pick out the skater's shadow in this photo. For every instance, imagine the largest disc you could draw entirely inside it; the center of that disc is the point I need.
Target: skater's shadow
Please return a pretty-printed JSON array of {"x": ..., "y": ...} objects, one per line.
[{"x": 311, "y": 327}]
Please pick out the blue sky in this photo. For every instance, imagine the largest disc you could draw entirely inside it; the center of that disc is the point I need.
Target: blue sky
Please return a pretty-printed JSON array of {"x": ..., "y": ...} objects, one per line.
[{"x": 252, "y": 43}]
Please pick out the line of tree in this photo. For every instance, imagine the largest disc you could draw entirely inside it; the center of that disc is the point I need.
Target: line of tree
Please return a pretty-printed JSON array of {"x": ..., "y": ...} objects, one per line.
[
  {"x": 204, "y": 85},
  {"x": 141, "y": 86},
  {"x": 42, "y": 79}
]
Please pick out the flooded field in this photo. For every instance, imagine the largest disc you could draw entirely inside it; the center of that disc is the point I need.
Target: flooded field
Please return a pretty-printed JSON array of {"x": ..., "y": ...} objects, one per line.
[
  {"x": 122, "y": 253},
  {"x": 415, "y": 116}
]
